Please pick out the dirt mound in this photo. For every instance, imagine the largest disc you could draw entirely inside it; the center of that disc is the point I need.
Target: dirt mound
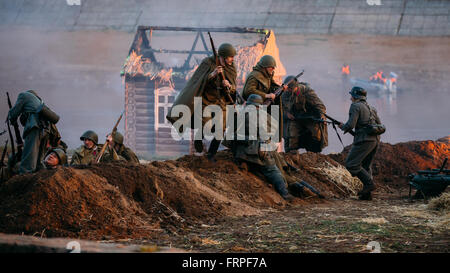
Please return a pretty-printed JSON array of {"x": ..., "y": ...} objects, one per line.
[
  {"x": 393, "y": 163},
  {"x": 118, "y": 200}
]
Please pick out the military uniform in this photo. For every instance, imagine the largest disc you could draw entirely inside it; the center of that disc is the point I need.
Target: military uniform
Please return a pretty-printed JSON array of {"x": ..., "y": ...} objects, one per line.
[
  {"x": 304, "y": 132},
  {"x": 259, "y": 82},
  {"x": 120, "y": 152},
  {"x": 364, "y": 147},
  {"x": 35, "y": 133},
  {"x": 250, "y": 152},
  {"x": 85, "y": 156},
  {"x": 211, "y": 91}
]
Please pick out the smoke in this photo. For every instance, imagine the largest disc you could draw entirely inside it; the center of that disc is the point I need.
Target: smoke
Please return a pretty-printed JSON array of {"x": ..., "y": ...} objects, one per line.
[{"x": 77, "y": 75}]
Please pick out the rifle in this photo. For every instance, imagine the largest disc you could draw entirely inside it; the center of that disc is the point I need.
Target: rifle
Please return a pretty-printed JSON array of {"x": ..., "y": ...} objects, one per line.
[
  {"x": 334, "y": 121},
  {"x": 312, "y": 189},
  {"x": 2, "y": 163},
  {"x": 102, "y": 151},
  {"x": 222, "y": 77},
  {"x": 13, "y": 149},
  {"x": 279, "y": 90},
  {"x": 19, "y": 140}
]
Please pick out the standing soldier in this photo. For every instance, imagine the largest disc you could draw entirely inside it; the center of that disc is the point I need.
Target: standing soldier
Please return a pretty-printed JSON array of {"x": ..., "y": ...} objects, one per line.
[
  {"x": 301, "y": 106},
  {"x": 250, "y": 152},
  {"x": 206, "y": 83},
  {"x": 35, "y": 131},
  {"x": 87, "y": 153},
  {"x": 365, "y": 144},
  {"x": 118, "y": 151}
]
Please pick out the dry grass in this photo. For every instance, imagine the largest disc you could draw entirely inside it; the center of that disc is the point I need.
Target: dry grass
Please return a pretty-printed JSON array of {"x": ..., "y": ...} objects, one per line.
[
  {"x": 441, "y": 203},
  {"x": 376, "y": 221},
  {"x": 341, "y": 178}
]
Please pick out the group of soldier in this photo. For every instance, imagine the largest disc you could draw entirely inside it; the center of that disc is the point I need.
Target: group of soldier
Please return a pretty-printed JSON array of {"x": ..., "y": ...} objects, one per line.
[
  {"x": 302, "y": 126},
  {"x": 303, "y": 123},
  {"x": 42, "y": 144}
]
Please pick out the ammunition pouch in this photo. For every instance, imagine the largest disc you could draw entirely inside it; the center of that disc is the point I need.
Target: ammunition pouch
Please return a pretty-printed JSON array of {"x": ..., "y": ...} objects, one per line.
[
  {"x": 375, "y": 129},
  {"x": 47, "y": 114}
]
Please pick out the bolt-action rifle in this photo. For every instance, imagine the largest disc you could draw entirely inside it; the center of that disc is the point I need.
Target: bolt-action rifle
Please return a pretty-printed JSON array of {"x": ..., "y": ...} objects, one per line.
[{"x": 280, "y": 89}]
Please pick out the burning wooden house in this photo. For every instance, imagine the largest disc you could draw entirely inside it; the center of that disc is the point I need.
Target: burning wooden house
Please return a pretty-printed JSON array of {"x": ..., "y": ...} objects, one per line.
[{"x": 151, "y": 84}]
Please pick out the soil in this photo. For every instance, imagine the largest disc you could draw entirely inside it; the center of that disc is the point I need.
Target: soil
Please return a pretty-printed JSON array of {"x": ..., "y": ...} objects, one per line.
[{"x": 196, "y": 205}]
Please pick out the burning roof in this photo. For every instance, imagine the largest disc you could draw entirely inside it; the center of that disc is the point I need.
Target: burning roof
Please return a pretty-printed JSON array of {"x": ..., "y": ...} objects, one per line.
[{"x": 142, "y": 62}]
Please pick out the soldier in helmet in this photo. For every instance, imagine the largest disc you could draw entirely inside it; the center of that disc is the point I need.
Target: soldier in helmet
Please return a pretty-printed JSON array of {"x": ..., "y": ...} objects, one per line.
[
  {"x": 54, "y": 158},
  {"x": 301, "y": 106},
  {"x": 87, "y": 153},
  {"x": 365, "y": 145},
  {"x": 250, "y": 151},
  {"x": 118, "y": 151},
  {"x": 260, "y": 82},
  {"x": 207, "y": 83}
]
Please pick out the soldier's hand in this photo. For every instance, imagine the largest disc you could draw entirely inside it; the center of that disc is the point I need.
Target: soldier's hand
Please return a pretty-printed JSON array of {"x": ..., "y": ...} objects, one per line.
[
  {"x": 290, "y": 116},
  {"x": 285, "y": 87},
  {"x": 341, "y": 125},
  {"x": 226, "y": 83},
  {"x": 216, "y": 71},
  {"x": 270, "y": 96},
  {"x": 109, "y": 140}
]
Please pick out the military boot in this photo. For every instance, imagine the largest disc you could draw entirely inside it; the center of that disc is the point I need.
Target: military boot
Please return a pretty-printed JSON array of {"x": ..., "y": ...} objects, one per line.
[
  {"x": 367, "y": 181},
  {"x": 280, "y": 187}
]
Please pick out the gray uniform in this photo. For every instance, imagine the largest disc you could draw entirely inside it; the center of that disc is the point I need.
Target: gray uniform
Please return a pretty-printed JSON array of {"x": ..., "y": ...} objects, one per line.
[
  {"x": 35, "y": 133},
  {"x": 364, "y": 147}
]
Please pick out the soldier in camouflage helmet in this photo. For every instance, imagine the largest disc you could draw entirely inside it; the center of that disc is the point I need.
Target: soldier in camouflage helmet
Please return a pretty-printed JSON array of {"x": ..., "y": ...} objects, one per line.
[
  {"x": 54, "y": 158},
  {"x": 249, "y": 151},
  {"x": 300, "y": 105},
  {"x": 87, "y": 153},
  {"x": 364, "y": 148},
  {"x": 118, "y": 151}
]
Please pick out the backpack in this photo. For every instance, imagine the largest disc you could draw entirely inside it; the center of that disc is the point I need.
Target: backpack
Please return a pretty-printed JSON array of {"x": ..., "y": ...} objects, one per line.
[{"x": 373, "y": 128}]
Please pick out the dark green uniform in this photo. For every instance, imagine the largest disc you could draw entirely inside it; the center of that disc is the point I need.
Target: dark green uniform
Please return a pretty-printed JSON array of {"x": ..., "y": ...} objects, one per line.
[
  {"x": 123, "y": 153},
  {"x": 303, "y": 132},
  {"x": 35, "y": 131},
  {"x": 85, "y": 156},
  {"x": 364, "y": 147}
]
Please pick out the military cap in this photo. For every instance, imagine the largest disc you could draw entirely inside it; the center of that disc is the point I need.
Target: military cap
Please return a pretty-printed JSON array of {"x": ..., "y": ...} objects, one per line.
[
  {"x": 117, "y": 138},
  {"x": 90, "y": 135},
  {"x": 358, "y": 92},
  {"x": 226, "y": 50},
  {"x": 254, "y": 99},
  {"x": 293, "y": 83},
  {"x": 60, "y": 154},
  {"x": 267, "y": 61}
]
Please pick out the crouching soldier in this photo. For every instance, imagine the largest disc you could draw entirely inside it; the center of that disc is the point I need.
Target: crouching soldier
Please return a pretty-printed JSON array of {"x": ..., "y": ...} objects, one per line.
[
  {"x": 54, "y": 158},
  {"x": 88, "y": 152},
  {"x": 365, "y": 143},
  {"x": 118, "y": 151},
  {"x": 250, "y": 152}
]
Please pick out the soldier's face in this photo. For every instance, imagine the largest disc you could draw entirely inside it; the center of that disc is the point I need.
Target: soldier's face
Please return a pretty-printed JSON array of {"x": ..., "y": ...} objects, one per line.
[
  {"x": 270, "y": 70},
  {"x": 88, "y": 143},
  {"x": 229, "y": 60},
  {"x": 51, "y": 160}
]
